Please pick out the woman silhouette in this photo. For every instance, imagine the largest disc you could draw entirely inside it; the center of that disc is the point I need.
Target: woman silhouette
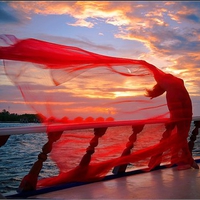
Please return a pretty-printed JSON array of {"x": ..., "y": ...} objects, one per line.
[{"x": 180, "y": 108}]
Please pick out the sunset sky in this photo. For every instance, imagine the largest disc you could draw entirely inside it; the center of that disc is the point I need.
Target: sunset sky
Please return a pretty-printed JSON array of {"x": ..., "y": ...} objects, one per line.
[{"x": 166, "y": 34}]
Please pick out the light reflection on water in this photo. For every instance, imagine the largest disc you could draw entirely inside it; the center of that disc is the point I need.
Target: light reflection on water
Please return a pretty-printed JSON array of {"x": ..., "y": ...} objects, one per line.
[{"x": 20, "y": 152}]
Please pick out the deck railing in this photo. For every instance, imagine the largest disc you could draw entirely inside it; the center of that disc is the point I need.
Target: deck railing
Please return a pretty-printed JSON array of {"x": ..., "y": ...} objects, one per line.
[{"x": 29, "y": 182}]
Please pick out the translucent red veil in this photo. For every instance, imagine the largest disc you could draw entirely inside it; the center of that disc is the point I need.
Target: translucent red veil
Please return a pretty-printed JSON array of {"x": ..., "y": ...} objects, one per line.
[{"x": 66, "y": 84}]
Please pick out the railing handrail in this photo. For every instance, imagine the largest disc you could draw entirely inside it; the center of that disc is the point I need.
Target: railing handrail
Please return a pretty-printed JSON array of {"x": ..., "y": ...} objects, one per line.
[
  {"x": 74, "y": 126},
  {"x": 77, "y": 126},
  {"x": 29, "y": 182}
]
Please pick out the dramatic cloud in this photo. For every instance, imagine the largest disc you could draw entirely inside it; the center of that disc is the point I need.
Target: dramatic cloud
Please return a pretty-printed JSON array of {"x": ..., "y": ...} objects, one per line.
[
  {"x": 189, "y": 11},
  {"x": 10, "y": 15},
  {"x": 163, "y": 33},
  {"x": 6, "y": 15},
  {"x": 147, "y": 22}
]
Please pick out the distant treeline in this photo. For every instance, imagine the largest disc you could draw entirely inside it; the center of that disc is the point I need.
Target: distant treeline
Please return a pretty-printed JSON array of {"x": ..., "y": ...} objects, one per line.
[{"x": 6, "y": 116}]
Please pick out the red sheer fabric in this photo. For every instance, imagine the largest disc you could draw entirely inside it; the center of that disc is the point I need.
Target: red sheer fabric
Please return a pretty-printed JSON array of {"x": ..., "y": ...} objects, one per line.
[
  {"x": 77, "y": 85},
  {"x": 70, "y": 85}
]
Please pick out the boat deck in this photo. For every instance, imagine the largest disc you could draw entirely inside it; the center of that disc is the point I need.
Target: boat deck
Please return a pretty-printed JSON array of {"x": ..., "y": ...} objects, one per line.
[{"x": 167, "y": 183}]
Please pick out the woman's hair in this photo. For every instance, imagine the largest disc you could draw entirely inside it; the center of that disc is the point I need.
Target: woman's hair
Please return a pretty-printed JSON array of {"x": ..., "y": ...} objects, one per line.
[{"x": 155, "y": 92}]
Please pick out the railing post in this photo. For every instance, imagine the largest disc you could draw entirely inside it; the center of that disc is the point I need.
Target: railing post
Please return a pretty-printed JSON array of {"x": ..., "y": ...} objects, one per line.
[
  {"x": 156, "y": 159},
  {"x": 193, "y": 137},
  {"x": 29, "y": 182},
  {"x": 129, "y": 146},
  {"x": 98, "y": 132},
  {"x": 3, "y": 139}
]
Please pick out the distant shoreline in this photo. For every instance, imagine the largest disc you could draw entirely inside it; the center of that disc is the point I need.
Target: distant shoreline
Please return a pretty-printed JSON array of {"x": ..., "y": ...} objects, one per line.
[
  {"x": 7, "y": 117},
  {"x": 17, "y": 122}
]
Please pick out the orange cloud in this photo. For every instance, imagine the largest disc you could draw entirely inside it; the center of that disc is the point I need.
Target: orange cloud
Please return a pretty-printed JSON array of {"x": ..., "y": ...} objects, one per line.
[
  {"x": 173, "y": 46},
  {"x": 94, "y": 110},
  {"x": 43, "y": 7},
  {"x": 83, "y": 23},
  {"x": 79, "y": 10},
  {"x": 36, "y": 102},
  {"x": 109, "y": 86},
  {"x": 187, "y": 68},
  {"x": 188, "y": 13}
]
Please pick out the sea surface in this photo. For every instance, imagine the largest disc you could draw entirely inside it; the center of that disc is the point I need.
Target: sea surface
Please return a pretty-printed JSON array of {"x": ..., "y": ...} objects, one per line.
[{"x": 20, "y": 152}]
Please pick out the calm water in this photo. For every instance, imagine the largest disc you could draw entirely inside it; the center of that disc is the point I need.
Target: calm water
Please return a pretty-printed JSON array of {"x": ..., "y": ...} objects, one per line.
[{"x": 20, "y": 152}]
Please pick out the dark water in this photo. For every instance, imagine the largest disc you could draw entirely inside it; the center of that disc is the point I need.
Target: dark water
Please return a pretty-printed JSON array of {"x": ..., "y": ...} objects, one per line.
[
  {"x": 17, "y": 157},
  {"x": 20, "y": 152}
]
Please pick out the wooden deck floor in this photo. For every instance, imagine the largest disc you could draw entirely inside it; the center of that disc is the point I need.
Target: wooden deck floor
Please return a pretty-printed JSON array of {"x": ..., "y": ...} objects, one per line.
[{"x": 168, "y": 183}]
